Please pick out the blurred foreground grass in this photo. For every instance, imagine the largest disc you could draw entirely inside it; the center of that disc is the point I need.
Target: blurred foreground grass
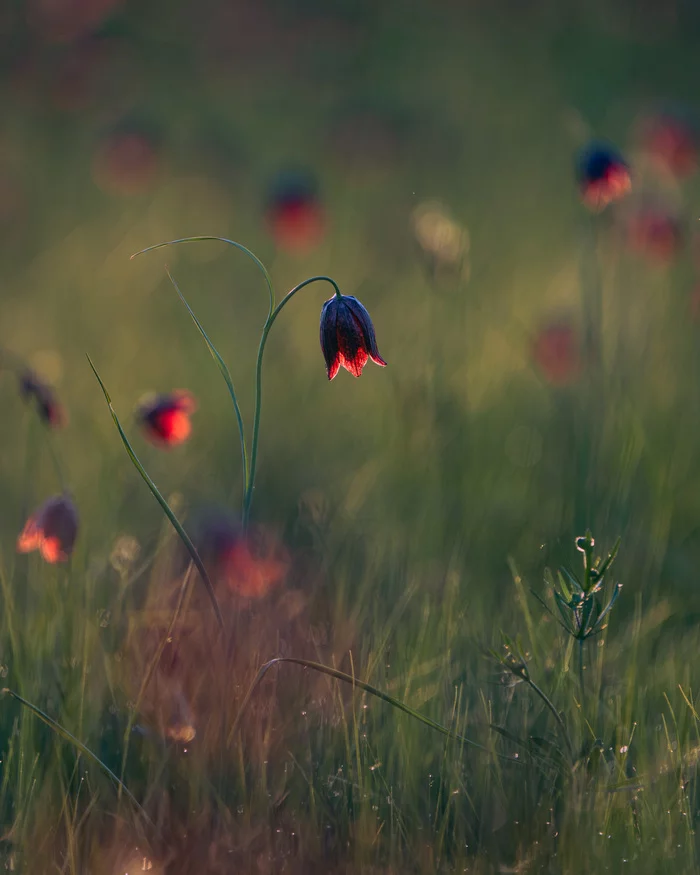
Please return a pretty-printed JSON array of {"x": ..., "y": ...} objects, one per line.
[{"x": 400, "y": 497}]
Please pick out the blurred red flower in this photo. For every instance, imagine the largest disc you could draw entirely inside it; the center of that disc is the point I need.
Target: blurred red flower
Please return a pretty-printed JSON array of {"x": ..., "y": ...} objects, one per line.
[
  {"x": 655, "y": 231},
  {"x": 603, "y": 176},
  {"x": 557, "y": 354},
  {"x": 295, "y": 216},
  {"x": 252, "y": 570},
  {"x": 249, "y": 563},
  {"x": 126, "y": 163},
  {"x": 347, "y": 336},
  {"x": 166, "y": 418},
  {"x": 50, "y": 411},
  {"x": 672, "y": 142},
  {"x": 52, "y": 529}
]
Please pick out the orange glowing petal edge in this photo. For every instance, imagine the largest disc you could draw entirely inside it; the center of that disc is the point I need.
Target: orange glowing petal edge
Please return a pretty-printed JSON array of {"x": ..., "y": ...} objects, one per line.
[
  {"x": 52, "y": 551},
  {"x": 30, "y": 538}
]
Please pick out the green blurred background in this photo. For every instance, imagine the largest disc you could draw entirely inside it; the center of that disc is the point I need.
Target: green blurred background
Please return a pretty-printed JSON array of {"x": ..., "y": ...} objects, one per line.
[
  {"x": 462, "y": 452},
  {"x": 479, "y": 105}
]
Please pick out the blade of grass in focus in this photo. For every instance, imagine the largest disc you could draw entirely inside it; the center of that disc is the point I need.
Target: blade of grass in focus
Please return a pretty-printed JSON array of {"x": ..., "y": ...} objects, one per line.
[
  {"x": 221, "y": 364},
  {"x": 177, "y": 525},
  {"x": 354, "y": 682}
]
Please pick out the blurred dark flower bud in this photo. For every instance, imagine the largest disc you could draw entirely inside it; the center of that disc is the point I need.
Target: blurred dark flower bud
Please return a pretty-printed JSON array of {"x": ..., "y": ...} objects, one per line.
[
  {"x": 347, "y": 336},
  {"x": 557, "y": 353},
  {"x": 295, "y": 216},
  {"x": 32, "y": 388},
  {"x": 165, "y": 419},
  {"x": 52, "y": 529},
  {"x": 603, "y": 175}
]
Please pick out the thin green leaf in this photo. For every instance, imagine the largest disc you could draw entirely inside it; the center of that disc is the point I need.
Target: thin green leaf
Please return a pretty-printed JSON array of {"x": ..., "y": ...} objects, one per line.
[
  {"x": 610, "y": 558},
  {"x": 550, "y": 611},
  {"x": 78, "y": 745},
  {"x": 184, "y": 537},
  {"x": 226, "y": 374},
  {"x": 368, "y": 688},
  {"x": 611, "y": 604},
  {"x": 563, "y": 608},
  {"x": 571, "y": 577},
  {"x": 586, "y": 613},
  {"x": 244, "y": 249},
  {"x": 566, "y": 592}
]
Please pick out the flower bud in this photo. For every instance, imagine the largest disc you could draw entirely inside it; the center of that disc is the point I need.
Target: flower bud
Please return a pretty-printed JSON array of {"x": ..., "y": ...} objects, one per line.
[
  {"x": 51, "y": 529},
  {"x": 166, "y": 418}
]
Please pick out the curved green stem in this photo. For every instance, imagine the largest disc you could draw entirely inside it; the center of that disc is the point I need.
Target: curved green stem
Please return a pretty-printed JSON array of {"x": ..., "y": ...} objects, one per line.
[
  {"x": 557, "y": 716},
  {"x": 361, "y": 685},
  {"x": 227, "y": 378},
  {"x": 215, "y": 354},
  {"x": 274, "y": 313},
  {"x": 167, "y": 510},
  {"x": 240, "y": 246}
]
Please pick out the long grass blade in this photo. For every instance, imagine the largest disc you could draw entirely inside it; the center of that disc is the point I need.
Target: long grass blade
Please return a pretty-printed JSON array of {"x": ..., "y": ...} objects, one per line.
[
  {"x": 63, "y": 733},
  {"x": 244, "y": 249},
  {"x": 354, "y": 682},
  {"x": 177, "y": 525},
  {"x": 225, "y": 373}
]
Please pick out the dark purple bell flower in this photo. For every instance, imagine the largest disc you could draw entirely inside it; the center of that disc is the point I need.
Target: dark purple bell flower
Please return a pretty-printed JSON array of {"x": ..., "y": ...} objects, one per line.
[{"x": 347, "y": 336}]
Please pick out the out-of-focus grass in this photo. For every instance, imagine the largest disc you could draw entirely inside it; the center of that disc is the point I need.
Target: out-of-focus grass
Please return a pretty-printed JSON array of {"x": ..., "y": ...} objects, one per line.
[{"x": 400, "y": 496}]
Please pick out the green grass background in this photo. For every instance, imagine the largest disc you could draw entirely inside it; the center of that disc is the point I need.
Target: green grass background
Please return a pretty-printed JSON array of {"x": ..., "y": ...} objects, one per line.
[{"x": 401, "y": 495}]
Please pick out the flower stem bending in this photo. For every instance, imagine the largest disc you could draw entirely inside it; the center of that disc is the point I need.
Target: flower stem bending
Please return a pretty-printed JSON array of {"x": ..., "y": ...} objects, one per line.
[
  {"x": 212, "y": 349},
  {"x": 227, "y": 378},
  {"x": 273, "y": 314}
]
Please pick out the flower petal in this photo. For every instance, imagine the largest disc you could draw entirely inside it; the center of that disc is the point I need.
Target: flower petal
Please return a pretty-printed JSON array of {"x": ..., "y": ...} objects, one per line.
[
  {"x": 329, "y": 337},
  {"x": 351, "y": 341},
  {"x": 30, "y": 537},
  {"x": 364, "y": 320}
]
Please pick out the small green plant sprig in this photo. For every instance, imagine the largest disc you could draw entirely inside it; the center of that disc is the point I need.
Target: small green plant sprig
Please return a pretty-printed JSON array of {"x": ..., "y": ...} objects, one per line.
[
  {"x": 582, "y": 612},
  {"x": 580, "y": 601}
]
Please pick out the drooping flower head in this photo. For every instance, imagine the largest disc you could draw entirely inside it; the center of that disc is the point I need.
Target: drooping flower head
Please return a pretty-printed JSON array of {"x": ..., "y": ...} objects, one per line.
[
  {"x": 51, "y": 529},
  {"x": 295, "y": 216},
  {"x": 347, "y": 336},
  {"x": 166, "y": 418},
  {"x": 603, "y": 175},
  {"x": 32, "y": 388}
]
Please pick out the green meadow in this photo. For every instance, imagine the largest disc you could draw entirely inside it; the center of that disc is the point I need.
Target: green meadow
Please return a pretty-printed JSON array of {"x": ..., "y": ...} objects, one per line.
[{"x": 443, "y": 697}]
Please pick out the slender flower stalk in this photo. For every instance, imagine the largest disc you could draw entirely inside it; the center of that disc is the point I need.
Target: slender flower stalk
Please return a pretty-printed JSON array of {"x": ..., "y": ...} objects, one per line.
[{"x": 258, "y": 383}]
